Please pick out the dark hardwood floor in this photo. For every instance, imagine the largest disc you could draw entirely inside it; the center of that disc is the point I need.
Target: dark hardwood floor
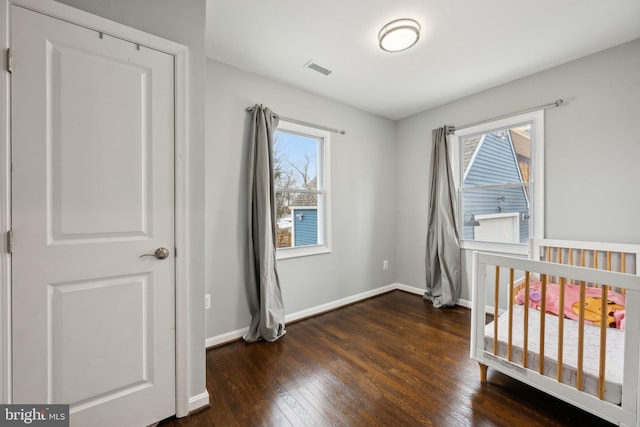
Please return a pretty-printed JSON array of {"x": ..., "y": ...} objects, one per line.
[{"x": 392, "y": 360}]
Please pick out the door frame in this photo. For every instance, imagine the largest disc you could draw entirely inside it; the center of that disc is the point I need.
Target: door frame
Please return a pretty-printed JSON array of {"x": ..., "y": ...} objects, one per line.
[{"x": 181, "y": 69}]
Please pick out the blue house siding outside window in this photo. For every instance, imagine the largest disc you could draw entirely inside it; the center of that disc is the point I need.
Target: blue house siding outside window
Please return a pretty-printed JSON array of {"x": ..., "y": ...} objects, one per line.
[
  {"x": 494, "y": 162},
  {"x": 305, "y": 226}
]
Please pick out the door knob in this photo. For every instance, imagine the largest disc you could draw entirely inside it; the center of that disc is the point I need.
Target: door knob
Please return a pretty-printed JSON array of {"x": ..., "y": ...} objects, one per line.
[{"x": 160, "y": 253}]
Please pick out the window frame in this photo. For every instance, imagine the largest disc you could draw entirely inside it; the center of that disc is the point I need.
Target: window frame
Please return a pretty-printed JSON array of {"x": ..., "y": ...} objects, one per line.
[
  {"x": 323, "y": 191},
  {"x": 536, "y": 180}
]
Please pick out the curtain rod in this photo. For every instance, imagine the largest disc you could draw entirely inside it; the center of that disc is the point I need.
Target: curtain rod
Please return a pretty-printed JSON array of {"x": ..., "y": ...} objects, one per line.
[
  {"x": 555, "y": 104},
  {"x": 300, "y": 122}
]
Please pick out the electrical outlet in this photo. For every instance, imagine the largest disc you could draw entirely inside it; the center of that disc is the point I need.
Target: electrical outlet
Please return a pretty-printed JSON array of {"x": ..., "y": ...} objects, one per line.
[
  {"x": 207, "y": 301},
  {"x": 385, "y": 264}
]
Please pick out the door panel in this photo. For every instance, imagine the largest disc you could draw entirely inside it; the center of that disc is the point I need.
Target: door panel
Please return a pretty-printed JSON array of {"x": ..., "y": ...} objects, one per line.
[
  {"x": 113, "y": 132},
  {"x": 84, "y": 364},
  {"x": 92, "y": 191}
]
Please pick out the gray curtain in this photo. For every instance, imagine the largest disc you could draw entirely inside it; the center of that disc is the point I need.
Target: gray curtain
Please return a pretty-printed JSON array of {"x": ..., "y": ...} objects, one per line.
[
  {"x": 443, "y": 247},
  {"x": 265, "y": 296}
]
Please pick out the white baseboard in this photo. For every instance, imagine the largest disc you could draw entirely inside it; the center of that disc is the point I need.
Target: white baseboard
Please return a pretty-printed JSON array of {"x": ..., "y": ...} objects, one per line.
[
  {"x": 338, "y": 303},
  {"x": 239, "y": 333},
  {"x": 419, "y": 291},
  {"x": 464, "y": 303},
  {"x": 198, "y": 401},
  {"x": 226, "y": 337},
  {"x": 314, "y": 311},
  {"x": 410, "y": 289}
]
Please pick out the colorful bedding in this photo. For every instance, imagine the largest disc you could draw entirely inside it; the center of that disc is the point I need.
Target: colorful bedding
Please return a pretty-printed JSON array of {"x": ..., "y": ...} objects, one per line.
[{"x": 593, "y": 308}]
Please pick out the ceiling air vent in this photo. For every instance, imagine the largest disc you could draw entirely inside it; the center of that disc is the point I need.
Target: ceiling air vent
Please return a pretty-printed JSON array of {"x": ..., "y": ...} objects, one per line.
[{"x": 319, "y": 68}]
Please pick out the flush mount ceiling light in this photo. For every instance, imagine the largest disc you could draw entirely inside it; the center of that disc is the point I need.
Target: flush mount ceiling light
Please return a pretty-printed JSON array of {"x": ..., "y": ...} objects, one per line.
[{"x": 399, "y": 35}]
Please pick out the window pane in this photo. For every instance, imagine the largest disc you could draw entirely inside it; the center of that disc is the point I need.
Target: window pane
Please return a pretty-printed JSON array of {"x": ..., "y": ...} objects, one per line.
[
  {"x": 497, "y": 169},
  {"x": 498, "y": 157},
  {"x": 296, "y": 161},
  {"x": 298, "y": 222},
  {"x": 496, "y": 215}
]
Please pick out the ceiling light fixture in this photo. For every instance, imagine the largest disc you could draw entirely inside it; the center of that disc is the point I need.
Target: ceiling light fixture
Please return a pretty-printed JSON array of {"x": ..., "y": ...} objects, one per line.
[{"x": 399, "y": 35}]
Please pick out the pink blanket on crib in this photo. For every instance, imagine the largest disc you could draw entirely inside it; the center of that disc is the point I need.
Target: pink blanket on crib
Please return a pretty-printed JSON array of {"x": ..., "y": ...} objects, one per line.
[{"x": 616, "y": 302}]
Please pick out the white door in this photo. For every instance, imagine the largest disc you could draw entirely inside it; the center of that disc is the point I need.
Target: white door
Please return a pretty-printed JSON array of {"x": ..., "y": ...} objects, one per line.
[{"x": 92, "y": 191}]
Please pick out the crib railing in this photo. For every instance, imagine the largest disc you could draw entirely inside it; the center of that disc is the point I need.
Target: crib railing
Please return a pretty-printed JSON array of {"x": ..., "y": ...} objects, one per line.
[
  {"x": 524, "y": 284},
  {"x": 561, "y": 265},
  {"x": 622, "y": 258},
  {"x": 591, "y": 255}
]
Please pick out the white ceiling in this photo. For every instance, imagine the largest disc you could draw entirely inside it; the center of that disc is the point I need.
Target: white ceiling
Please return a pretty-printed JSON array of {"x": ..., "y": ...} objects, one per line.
[{"x": 466, "y": 45}]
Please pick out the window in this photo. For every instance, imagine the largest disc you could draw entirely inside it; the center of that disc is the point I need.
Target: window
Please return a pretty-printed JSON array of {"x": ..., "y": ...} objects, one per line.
[
  {"x": 301, "y": 156},
  {"x": 499, "y": 177}
]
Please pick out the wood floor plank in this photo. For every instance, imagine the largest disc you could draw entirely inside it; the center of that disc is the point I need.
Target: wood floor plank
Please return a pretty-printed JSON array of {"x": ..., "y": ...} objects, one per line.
[{"x": 393, "y": 360}]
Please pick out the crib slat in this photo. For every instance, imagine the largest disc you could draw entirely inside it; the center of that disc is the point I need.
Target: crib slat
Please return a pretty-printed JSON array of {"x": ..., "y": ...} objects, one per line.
[
  {"x": 525, "y": 349},
  {"x": 495, "y": 311},
  {"x": 595, "y": 264},
  {"x": 580, "y": 373},
  {"x": 623, "y": 268},
  {"x": 603, "y": 340},
  {"x": 609, "y": 262},
  {"x": 559, "y": 260},
  {"x": 561, "y": 330},
  {"x": 510, "y": 332},
  {"x": 543, "y": 306},
  {"x": 571, "y": 260}
]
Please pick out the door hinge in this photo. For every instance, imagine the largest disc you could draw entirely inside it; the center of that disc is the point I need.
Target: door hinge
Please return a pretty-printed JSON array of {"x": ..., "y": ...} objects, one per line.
[
  {"x": 9, "y": 60},
  {"x": 10, "y": 241}
]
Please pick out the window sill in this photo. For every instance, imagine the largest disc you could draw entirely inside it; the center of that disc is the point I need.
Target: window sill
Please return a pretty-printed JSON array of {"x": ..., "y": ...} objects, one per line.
[
  {"x": 501, "y": 248},
  {"x": 302, "y": 251}
]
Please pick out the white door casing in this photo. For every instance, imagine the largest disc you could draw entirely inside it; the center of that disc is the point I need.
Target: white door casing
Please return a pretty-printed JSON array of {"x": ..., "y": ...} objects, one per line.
[{"x": 80, "y": 226}]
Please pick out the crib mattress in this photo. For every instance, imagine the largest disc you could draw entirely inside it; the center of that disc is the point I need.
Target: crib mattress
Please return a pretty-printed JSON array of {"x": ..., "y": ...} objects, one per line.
[{"x": 614, "y": 354}]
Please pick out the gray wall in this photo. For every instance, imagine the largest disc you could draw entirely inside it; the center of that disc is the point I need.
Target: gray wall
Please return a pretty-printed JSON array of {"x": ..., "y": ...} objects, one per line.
[
  {"x": 592, "y": 153},
  {"x": 363, "y": 202},
  {"x": 182, "y": 22}
]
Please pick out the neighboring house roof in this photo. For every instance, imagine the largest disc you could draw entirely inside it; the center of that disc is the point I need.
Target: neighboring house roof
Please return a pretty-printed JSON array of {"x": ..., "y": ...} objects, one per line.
[
  {"x": 469, "y": 148},
  {"x": 306, "y": 199},
  {"x": 521, "y": 140}
]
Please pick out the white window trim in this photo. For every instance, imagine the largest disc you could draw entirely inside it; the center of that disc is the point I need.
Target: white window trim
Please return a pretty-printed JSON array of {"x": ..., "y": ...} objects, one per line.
[
  {"x": 324, "y": 211},
  {"x": 536, "y": 171}
]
